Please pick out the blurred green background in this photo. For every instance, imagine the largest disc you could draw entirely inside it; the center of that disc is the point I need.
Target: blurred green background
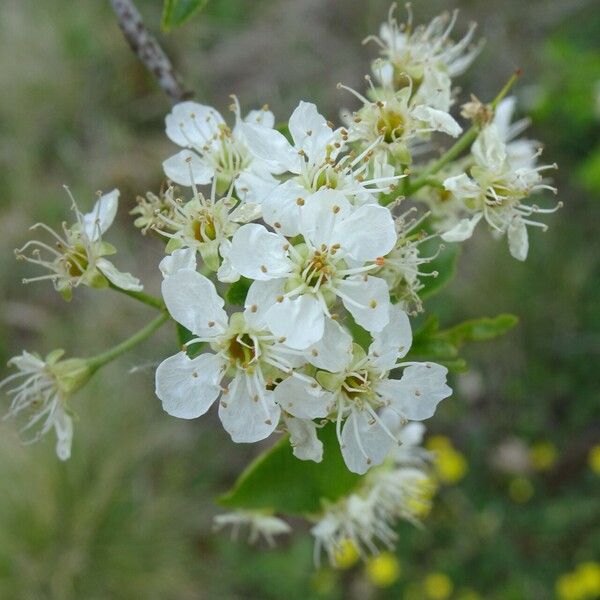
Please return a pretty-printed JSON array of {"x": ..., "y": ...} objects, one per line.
[{"x": 129, "y": 516}]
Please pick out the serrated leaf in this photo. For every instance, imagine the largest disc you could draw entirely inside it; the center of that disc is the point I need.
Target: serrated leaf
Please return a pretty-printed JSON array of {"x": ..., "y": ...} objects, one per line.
[
  {"x": 177, "y": 12},
  {"x": 280, "y": 482},
  {"x": 478, "y": 330},
  {"x": 442, "y": 346},
  {"x": 237, "y": 292}
]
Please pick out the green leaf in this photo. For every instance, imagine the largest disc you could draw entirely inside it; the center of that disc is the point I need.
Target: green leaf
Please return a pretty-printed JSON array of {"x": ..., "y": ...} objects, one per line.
[
  {"x": 442, "y": 346},
  {"x": 177, "y": 12},
  {"x": 237, "y": 292},
  {"x": 478, "y": 330},
  {"x": 280, "y": 482},
  {"x": 444, "y": 265}
]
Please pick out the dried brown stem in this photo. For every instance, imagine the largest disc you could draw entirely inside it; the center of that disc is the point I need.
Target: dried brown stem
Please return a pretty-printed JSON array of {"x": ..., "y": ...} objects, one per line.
[{"x": 149, "y": 51}]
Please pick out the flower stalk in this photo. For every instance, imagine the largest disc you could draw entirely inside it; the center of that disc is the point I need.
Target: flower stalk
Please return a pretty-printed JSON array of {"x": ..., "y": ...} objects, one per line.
[
  {"x": 148, "y": 299},
  {"x": 98, "y": 361}
]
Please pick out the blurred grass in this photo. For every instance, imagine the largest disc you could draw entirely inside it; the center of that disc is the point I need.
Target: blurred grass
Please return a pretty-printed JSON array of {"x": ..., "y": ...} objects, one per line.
[{"x": 130, "y": 515}]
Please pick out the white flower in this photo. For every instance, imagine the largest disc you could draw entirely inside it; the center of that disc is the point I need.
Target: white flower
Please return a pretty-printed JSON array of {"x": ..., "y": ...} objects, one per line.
[
  {"x": 402, "y": 266},
  {"x": 77, "y": 256},
  {"x": 520, "y": 152},
  {"x": 316, "y": 162},
  {"x": 151, "y": 208},
  {"x": 495, "y": 192},
  {"x": 206, "y": 225},
  {"x": 393, "y": 121},
  {"x": 213, "y": 150},
  {"x": 364, "y": 388},
  {"x": 399, "y": 489},
  {"x": 425, "y": 54},
  {"x": 295, "y": 284},
  {"x": 253, "y": 359},
  {"x": 39, "y": 394},
  {"x": 258, "y": 523}
]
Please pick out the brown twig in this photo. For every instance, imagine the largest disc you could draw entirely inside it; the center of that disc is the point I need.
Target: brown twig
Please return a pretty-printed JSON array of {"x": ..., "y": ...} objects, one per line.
[{"x": 149, "y": 51}]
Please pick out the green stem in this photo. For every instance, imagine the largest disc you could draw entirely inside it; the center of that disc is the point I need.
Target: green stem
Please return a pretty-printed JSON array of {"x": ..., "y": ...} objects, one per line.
[
  {"x": 141, "y": 297},
  {"x": 95, "y": 362},
  {"x": 459, "y": 146}
]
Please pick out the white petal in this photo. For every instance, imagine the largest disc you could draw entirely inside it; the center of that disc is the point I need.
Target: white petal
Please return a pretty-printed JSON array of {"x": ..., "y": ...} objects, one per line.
[
  {"x": 463, "y": 230},
  {"x": 187, "y": 387},
  {"x": 368, "y": 301},
  {"x": 392, "y": 342},
  {"x": 411, "y": 434},
  {"x": 437, "y": 119},
  {"x": 259, "y": 254},
  {"x": 261, "y": 296},
  {"x": 503, "y": 116},
  {"x": 435, "y": 90},
  {"x": 334, "y": 351},
  {"x": 281, "y": 208},
  {"x": 300, "y": 321},
  {"x": 367, "y": 233},
  {"x": 254, "y": 187},
  {"x": 226, "y": 272},
  {"x": 271, "y": 146},
  {"x": 310, "y": 131},
  {"x": 303, "y": 439},
  {"x": 489, "y": 150},
  {"x": 63, "y": 427},
  {"x": 192, "y": 300},
  {"x": 518, "y": 240},
  {"x": 261, "y": 117},
  {"x": 96, "y": 222},
  {"x": 187, "y": 168},
  {"x": 462, "y": 186},
  {"x": 184, "y": 258},
  {"x": 246, "y": 417},
  {"x": 302, "y": 399},
  {"x": 192, "y": 124},
  {"x": 124, "y": 281},
  {"x": 321, "y": 212},
  {"x": 244, "y": 213},
  {"x": 364, "y": 442},
  {"x": 416, "y": 395}
]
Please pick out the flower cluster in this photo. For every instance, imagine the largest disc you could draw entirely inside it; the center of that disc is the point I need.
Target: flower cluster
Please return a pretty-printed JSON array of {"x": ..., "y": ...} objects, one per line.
[
  {"x": 287, "y": 360},
  {"x": 401, "y": 488},
  {"x": 304, "y": 216},
  {"x": 294, "y": 271}
]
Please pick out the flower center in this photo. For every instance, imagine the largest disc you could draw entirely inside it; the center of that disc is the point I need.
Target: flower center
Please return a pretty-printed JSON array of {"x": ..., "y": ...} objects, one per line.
[
  {"x": 75, "y": 259},
  {"x": 242, "y": 350},
  {"x": 320, "y": 268},
  {"x": 390, "y": 125},
  {"x": 204, "y": 228}
]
